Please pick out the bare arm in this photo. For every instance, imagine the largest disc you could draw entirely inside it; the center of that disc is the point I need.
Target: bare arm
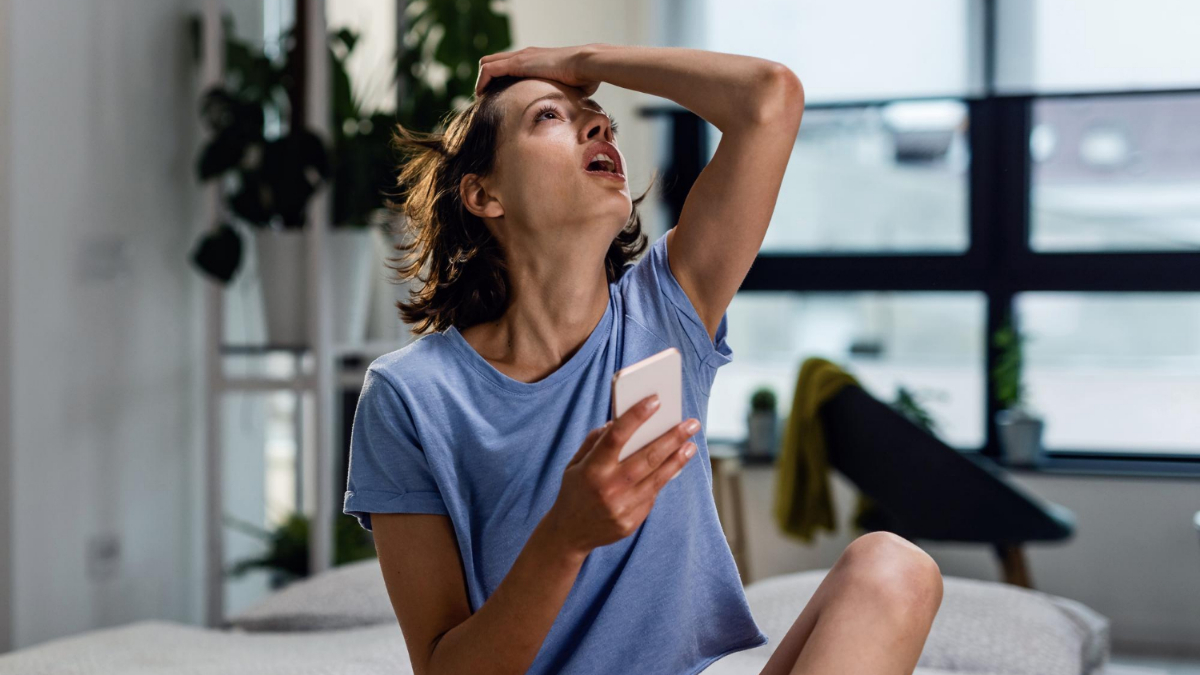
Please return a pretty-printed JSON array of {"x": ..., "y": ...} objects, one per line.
[
  {"x": 757, "y": 105},
  {"x": 424, "y": 577},
  {"x": 601, "y": 500}
]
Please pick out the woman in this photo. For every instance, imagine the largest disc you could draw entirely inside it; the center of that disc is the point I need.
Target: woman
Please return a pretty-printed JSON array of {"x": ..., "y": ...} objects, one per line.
[{"x": 511, "y": 539}]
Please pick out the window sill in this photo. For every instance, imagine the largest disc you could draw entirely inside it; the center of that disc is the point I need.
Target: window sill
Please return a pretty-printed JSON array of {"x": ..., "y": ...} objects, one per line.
[{"x": 1130, "y": 465}]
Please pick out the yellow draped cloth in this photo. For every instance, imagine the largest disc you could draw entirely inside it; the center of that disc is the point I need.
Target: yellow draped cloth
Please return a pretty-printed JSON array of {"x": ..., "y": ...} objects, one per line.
[{"x": 803, "y": 498}]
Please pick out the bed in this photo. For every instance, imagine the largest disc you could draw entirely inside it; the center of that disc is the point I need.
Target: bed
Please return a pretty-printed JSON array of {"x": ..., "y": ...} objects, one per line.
[{"x": 341, "y": 623}]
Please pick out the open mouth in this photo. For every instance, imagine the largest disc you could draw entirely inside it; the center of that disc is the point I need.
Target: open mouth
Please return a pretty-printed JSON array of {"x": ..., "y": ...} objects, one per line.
[{"x": 602, "y": 159}]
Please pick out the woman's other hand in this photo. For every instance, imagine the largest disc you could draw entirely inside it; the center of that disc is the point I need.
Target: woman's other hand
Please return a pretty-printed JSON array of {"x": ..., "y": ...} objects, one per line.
[
  {"x": 603, "y": 499},
  {"x": 551, "y": 63}
]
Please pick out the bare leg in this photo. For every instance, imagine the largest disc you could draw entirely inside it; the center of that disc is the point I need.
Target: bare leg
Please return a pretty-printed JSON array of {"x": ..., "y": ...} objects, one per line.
[{"x": 871, "y": 613}]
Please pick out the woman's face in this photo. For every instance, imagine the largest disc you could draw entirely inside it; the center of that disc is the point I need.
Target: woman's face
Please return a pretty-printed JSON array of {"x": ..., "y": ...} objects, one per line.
[{"x": 549, "y": 134}]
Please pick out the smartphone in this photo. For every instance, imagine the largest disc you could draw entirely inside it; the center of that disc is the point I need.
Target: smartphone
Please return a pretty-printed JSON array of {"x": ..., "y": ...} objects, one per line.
[{"x": 660, "y": 374}]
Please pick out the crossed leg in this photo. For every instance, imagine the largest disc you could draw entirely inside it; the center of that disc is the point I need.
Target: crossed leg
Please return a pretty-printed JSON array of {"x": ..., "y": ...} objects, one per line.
[{"x": 871, "y": 613}]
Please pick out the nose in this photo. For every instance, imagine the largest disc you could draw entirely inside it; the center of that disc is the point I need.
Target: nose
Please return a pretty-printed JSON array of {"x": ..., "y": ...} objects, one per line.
[{"x": 601, "y": 126}]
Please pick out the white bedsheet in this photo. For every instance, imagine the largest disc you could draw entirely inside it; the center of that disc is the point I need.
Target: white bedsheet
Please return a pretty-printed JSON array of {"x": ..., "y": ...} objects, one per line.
[{"x": 167, "y": 648}]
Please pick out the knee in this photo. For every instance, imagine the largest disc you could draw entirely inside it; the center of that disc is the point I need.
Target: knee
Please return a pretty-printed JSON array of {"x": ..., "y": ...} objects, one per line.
[{"x": 895, "y": 573}]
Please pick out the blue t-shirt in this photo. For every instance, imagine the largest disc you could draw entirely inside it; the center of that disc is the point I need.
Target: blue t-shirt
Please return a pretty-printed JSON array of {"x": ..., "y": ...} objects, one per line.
[{"x": 439, "y": 430}]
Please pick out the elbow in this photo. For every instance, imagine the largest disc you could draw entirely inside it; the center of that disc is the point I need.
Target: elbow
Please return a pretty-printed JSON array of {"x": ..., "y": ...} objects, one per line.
[{"x": 780, "y": 96}]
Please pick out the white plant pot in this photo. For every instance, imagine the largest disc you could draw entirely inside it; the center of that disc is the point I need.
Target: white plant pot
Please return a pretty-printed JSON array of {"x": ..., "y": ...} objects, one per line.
[
  {"x": 384, "y": 322},
  {"x": 1021, "y": 437},
  {"x": 760, "y": 433},
  {"x": 350, "y": 266},
  {"x": 282, "y": 270}
]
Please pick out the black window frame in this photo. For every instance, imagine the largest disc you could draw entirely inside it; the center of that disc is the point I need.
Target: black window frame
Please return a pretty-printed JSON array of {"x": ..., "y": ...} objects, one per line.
[{"x": 999, "y": 261}]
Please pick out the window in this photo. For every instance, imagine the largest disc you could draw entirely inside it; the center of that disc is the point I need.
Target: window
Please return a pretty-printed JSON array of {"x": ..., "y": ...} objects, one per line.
[
  {"x": 929, "y": 343},
  {"x": 1013, "y": 171},
  {"x": 910, "y": 158},
  {"x": 1116, "y": 173},
  {"x": 1114, "y": 372}
]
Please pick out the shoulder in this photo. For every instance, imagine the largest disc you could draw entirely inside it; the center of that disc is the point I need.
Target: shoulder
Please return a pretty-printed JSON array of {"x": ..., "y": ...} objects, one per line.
[{"x": 414, "y": 365}]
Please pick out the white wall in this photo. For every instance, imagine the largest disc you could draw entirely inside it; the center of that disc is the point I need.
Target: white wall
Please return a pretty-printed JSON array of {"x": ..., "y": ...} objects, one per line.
[
  {"x": 101, "y": 204},
  {"x": 5, "y": 346},
  {"x": 1135, "y": 556}
]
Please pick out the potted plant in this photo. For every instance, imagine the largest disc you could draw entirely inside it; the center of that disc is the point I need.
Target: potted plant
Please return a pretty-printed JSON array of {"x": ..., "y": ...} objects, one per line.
[
  {"x": 267, "y": 178},
  {"x": 762, "y": 424},
  {"x": 1020, "y": 429},
  {"x": 286, "y": 557}
]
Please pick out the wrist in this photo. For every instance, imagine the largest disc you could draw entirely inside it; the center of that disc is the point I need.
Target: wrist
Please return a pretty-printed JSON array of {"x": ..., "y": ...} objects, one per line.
[
  {"x": 585, "y": 64},
  {"x": 552, "y": 540}
]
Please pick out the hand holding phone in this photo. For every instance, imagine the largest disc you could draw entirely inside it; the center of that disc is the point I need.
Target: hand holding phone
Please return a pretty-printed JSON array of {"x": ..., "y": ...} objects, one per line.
[{"x": 602, "y": 499}]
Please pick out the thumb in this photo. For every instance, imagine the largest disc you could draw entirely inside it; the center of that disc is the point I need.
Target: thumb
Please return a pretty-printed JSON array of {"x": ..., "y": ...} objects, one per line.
[{"x": 589, "y": 442}]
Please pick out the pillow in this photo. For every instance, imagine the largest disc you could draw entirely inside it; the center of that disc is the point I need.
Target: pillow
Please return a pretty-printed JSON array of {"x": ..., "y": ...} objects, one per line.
[
  {"x": 981, "y": 626},
  {"x": 345, "y": 596}
]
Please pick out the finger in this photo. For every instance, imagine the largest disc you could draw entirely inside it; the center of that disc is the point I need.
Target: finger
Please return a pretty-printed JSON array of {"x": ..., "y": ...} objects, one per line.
[
  {"x": 608, "y": 448},
  {"x": 640, "y": 464},
  {"x": 488, "y": 72},
  {"x": 482, "y": 80},
  {"x": 588, "y": 442},
  {"x": 496, "y": 55},
  {"x": 665, "y": 472},
  {"x": 494, "y": 69}
]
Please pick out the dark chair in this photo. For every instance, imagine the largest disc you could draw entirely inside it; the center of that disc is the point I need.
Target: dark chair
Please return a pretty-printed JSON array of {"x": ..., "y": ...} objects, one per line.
[{"x": 926, "y": 490}]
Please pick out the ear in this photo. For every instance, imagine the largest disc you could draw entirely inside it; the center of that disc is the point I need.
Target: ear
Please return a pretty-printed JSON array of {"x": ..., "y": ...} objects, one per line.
[{"x": 477, "y": 199}]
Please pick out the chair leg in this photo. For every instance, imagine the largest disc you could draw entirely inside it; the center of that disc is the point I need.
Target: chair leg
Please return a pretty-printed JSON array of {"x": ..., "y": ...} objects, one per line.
[{"x": 1014, "y": 564}]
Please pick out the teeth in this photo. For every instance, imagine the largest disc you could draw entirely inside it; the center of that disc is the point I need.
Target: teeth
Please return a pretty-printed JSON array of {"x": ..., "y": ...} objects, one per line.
[{"x": 607, "y": 161}]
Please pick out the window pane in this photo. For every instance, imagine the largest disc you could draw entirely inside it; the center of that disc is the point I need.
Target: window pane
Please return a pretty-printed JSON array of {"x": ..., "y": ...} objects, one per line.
[
  {"x": 1114, "y": 371},
  {"x": 930, "y": 343},
  {"x": 855, "y": 50},
  {"x": 889, "y": 178},
  {"x": 1116, "y": 173},
  {"x": 1097, "y": 45}
]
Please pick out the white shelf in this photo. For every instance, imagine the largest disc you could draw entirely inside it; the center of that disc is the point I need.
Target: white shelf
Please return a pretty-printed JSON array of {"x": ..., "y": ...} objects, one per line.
[{"x": 321, "y": 382}]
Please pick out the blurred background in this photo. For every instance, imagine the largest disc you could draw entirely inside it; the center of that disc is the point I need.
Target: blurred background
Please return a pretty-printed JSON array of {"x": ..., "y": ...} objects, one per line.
[{"x": 991, "y": 207}]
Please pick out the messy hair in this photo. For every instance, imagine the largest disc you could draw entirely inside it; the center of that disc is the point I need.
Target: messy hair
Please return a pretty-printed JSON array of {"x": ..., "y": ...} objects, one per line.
[{"x": 466, "y": 277}]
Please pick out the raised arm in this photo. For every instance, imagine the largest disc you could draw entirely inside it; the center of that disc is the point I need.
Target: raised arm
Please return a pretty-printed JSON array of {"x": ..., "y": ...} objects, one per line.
[{"x": 757, "y": 105}]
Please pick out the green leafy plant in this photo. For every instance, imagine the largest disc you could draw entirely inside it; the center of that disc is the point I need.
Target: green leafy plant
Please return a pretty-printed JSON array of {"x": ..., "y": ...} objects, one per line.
[
  {"x": 442, "y": 46},
  {"x": 909, "y": 404},
  {"x": 1007, "y": 374},
  {"x": 762, "y": 400},
  {"x": 363, "y": 163},
  {"x": 287, "y": 546},
  {"x": 435, "y": 72},
  {"x": 268, "y": 178}
]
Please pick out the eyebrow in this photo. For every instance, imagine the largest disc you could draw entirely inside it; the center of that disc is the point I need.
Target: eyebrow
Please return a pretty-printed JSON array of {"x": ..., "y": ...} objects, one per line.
[{"x": 561, "y": 96}]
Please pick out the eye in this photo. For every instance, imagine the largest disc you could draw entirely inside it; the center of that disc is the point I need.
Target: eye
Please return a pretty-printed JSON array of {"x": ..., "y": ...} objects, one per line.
[
  {"x": 545, "y": 109},
  {"x": 613, "y": 125}
]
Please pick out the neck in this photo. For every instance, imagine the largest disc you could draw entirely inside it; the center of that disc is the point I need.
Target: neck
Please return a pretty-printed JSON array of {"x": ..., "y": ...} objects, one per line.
[{"x": 558, "y": 294}]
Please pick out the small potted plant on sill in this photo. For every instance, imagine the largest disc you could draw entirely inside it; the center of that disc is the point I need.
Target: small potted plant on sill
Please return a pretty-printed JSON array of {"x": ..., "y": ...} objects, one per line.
[
  {"x": 1019, "y": 428},
  {"x": 762, "y": 424}
]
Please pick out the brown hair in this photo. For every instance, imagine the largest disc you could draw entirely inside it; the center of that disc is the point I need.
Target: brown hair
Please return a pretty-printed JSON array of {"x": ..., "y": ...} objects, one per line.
[{"x": 466, "y": 280}]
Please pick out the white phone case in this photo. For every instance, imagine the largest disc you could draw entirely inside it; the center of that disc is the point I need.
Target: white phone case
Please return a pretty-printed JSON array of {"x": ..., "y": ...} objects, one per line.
[{"x": 660, "y": 374}]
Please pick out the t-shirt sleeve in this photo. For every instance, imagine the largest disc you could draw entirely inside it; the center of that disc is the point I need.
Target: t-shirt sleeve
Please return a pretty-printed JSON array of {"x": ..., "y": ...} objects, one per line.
[
  {"x": 655, "y": 300},
  {"x": 388, "y": 471}
]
